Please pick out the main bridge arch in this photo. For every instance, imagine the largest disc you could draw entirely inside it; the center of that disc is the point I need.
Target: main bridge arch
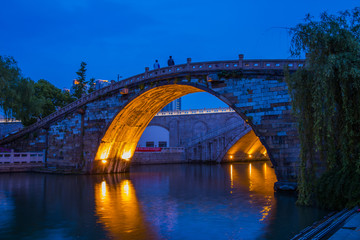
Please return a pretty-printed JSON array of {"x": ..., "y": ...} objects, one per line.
[
  {"x": 123, "y": 133},
  {"x": 106, "y": 124}
]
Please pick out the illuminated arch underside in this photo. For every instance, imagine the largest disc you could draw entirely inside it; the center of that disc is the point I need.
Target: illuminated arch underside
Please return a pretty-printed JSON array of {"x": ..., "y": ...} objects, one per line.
[
  {"x": 247, "y": 147},
  {"x": 121, "y": 138}
]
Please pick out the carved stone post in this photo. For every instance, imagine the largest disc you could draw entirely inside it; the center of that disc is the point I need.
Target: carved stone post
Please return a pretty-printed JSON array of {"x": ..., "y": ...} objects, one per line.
[{"x": 241, "y": 58}]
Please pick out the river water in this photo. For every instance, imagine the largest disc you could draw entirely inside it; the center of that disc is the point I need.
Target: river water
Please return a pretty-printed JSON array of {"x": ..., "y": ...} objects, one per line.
[{"x": 231, "y": 201}]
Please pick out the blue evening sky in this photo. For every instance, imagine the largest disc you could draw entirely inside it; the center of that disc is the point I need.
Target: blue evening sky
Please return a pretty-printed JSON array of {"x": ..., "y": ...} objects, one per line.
[{"x": 49, "y": 39}]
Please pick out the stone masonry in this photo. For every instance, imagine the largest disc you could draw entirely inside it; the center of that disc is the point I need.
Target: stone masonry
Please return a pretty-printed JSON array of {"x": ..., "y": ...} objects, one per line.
[{"x": 104, "y": 127}]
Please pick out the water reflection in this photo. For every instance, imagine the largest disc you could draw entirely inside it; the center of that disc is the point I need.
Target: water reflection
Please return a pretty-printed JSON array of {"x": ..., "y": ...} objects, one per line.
[
  {"x": 259, "y": 183},
  {"x": 234, "y": 201},
  {"x": 118, "y": 209}
]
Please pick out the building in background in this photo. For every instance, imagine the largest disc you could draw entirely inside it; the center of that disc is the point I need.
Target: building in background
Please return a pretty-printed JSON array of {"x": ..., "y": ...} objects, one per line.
[
  {"x": 100, "y": 83},
  {"x": 76, "y": 82},
  {"x": 173, "y": 106}
]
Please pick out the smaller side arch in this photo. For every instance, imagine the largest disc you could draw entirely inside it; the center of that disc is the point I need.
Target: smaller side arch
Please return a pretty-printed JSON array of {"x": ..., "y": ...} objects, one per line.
[{"x": 245, "y": 146}]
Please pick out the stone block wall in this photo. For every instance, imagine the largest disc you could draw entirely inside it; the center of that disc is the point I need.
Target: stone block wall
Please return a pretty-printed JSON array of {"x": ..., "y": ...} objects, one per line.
[{"x": 262, "y": 100}]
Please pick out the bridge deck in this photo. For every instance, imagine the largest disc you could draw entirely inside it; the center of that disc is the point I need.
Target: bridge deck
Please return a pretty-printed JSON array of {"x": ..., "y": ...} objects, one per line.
[{"x": 189, "y": 68}]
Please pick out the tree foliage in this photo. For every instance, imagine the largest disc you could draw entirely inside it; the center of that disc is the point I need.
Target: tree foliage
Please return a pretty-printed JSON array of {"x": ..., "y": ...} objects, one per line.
[
  {"x": 326, "y": 102},
  {"x": 92, "y": 85},
  {"x": 52, "y": 97},
  {"x": 80, "y": 84},
  {"x": 24, "y": 99},
  {"x": 9, "y": 76}
]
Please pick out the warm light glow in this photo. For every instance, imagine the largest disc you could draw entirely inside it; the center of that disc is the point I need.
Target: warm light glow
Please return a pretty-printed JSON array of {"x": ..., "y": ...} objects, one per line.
[
  {"x": 265, "y": 169},
  {"x": 250, "y": 169},
  {"x": 104, "y": 154},
  {"x": 231, "y": 177},
  {"x": 126, "y": 128},
  {"x": 127, "y": 191},
  {"x": 115, "y": 201},
  {"x": 126, "y": 155},
  {"x": 231, "y": 156},
  {"x": 250, "y": 156},
  {"x": 103, "y": 189},
  {"x": 126, "y": 187},
  {"x": 266, "y": 210},
  {"x": 103, "y": 161}
]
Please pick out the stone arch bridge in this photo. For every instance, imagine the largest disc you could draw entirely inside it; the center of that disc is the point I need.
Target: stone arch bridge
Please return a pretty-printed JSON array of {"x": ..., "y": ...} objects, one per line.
[{"x": 99, "y": 132}]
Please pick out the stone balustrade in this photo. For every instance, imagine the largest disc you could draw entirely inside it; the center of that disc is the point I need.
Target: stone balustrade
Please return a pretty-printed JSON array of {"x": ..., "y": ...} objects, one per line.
[
  {"x": 7, "y": 158},
  {"x": 172, "y": 149},
  {"x": 195, "y": 111}
]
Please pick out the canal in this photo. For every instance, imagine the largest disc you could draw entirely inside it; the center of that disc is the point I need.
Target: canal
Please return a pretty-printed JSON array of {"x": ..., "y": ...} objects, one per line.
[{"x": 230, "y": 201}]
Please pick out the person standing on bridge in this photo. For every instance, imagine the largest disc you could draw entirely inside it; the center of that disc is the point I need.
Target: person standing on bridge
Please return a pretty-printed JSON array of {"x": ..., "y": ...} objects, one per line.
[
  {"x": 156, "y": 64},
  {"x": 171, "y": 61}
]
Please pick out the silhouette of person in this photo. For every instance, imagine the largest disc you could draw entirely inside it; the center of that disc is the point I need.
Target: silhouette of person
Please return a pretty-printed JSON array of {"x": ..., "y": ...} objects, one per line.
[
  {"x": 156, "y": 64},
  {"x": 171, "y": 61}
]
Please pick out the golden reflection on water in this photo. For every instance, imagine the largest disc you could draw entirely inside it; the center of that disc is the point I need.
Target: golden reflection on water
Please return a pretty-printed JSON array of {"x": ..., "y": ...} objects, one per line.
[
  {"x": 119, "y": 211},
  {"x": 265, "y": 169},
  {"x": 231, "y": 178},
  {"x": 103, "y": 190},
  {"x": 259, "y": 180}
]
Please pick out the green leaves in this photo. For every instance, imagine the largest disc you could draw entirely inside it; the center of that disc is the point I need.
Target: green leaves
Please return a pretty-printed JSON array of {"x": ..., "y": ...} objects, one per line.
[
  {"x": 80, "y": 84},
  {"x": 326, "y": 100},
  {"x": 23, "y": 99},
  {"x": 51, "y": 97}
]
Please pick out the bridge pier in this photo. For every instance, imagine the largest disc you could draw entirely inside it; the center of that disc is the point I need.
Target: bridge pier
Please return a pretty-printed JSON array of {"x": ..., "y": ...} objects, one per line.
[{"x": 110, "y": 166}]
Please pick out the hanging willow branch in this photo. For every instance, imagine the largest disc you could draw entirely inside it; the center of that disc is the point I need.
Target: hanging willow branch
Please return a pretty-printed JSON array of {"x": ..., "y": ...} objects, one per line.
[{"x": 326, "y": 102}]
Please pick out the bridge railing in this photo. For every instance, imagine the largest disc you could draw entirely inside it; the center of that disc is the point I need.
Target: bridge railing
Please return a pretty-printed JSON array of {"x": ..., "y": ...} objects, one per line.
[
  {"x": 172, "y": 149},
  {"x": 187, "y": 68},
  {"x": 159, "y": 150},
  {"x": 195, "y": 111},
  {"x": 21, "y": 157}
]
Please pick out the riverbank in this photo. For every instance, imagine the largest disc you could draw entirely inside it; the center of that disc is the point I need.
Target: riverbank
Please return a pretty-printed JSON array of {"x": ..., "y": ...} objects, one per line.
[
  {"x": 344, "y": 225},
  {"x": 350, "y": 230}
]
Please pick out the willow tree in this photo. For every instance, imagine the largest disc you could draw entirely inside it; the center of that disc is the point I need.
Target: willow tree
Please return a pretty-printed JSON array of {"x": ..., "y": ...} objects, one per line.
[
  {"x": 24, "y": 99},
  {"x": 326, "y": 102},
  {"x": 10, "y": 75}
]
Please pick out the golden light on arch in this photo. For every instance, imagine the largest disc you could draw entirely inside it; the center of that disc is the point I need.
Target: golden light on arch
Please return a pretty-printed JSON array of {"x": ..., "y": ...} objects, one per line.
[
  {"x": 104, "y": 154},
  {"x": 248, "y": 147},
  {"x": 126, "y": 155},
  {"x": 122, "y": 135}
]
